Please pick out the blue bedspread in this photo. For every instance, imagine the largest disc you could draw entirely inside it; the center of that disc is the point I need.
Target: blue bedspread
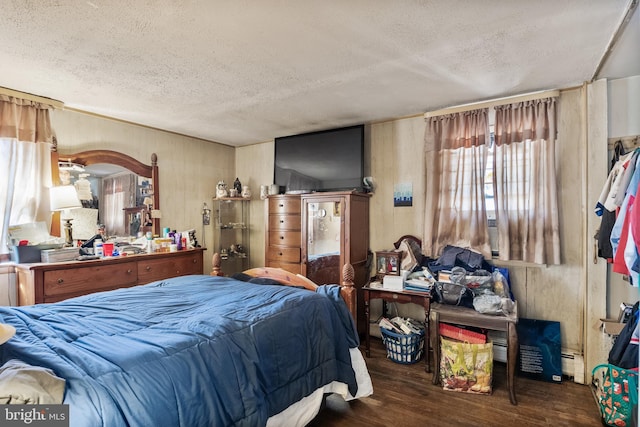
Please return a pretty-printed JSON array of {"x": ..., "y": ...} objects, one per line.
[{"x": 190, "y": 351}]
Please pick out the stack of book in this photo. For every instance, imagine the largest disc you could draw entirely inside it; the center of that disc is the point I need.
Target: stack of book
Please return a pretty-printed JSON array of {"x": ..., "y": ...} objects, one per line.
[
  {"x": 418, "y": 285},
  {"x": 59, "y": 255}
]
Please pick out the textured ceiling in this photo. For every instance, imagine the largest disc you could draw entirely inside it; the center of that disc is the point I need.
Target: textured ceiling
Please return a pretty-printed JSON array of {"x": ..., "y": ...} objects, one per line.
[{"x": 240, "y": 72}]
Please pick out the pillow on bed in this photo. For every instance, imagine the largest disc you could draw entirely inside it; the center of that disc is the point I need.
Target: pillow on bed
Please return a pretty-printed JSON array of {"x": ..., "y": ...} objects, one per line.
[
  {"x": 257, "y": 280},
  {"x": 21, "y": 383},
  {"x": 411, "y": 254}
]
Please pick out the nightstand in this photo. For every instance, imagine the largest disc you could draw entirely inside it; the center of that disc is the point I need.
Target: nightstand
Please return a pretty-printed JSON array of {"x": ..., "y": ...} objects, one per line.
[{"x": 402, "y": 297}]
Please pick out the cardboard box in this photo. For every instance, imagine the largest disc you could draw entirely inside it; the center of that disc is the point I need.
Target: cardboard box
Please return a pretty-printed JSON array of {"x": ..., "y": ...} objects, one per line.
[
  {"x": 612, "y": 327},
  {"x": 394, "y": 283}
]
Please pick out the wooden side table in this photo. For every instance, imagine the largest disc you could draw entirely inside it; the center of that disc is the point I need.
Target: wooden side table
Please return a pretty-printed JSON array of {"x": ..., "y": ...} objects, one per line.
[
  {"x": 469, "y": 317},
  {"x": 403, "y": 297}
]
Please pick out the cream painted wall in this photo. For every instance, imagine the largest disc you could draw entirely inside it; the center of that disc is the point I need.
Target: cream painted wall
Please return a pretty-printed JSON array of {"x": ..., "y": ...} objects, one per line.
[
  {"x": 189, "y": 168},
  {"x": 254, "y": 164}
]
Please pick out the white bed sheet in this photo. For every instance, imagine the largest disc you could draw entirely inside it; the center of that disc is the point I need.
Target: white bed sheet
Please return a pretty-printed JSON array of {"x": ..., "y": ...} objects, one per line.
[{"x": 302, "y": 412}]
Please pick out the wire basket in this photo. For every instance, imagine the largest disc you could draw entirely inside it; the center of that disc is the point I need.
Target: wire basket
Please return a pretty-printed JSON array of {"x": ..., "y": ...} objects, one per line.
[{"x": 403, "y": 348}]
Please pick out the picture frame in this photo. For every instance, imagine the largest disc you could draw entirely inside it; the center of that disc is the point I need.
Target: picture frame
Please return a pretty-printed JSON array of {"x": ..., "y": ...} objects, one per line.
[{"x": 387, "y": 263}]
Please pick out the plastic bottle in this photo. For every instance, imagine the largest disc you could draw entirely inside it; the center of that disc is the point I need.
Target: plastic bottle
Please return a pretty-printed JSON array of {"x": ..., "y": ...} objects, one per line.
[
  {"x": 149, "y": 242},
  {"x": 97, "y": 248}
]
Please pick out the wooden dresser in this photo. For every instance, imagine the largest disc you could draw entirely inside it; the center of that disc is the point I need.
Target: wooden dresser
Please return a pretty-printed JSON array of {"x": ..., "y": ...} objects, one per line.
[
  {"x": 51, "y": 282},
  {"x": 283, "y": 236}
]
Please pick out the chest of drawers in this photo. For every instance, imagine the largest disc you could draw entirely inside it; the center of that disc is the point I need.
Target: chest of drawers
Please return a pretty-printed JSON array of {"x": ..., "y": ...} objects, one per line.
[
  {"x": 52, "y": 282},
  {"x": 283, "y": 236}
]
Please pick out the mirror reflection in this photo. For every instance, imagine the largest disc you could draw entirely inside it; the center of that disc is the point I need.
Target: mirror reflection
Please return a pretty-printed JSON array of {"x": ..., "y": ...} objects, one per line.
[
  {"x": 112, "y": 196},
  {"x": 323, "y": 242}
]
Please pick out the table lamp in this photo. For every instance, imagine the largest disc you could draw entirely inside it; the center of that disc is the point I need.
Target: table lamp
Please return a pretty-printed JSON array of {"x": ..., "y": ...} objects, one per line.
[{"x": 64, "y": 198}]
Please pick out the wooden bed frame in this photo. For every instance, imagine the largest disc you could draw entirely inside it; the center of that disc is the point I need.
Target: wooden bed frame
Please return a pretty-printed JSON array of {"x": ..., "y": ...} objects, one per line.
[{"x": 347, "y": 291}]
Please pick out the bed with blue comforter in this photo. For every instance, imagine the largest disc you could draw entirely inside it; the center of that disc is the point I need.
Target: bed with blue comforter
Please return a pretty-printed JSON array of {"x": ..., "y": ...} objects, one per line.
[{"x": 188, "y": 351}]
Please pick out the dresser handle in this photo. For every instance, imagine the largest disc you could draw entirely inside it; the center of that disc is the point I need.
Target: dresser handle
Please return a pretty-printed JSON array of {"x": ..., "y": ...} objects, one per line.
[
  {"x": 281, "y": 237},
  {"x": 60, "y": 281},
  {"x": 148, "y": 268},
  {"x": 282, "y": 221},
  {"x": 195, "y": 261},
  {"x": 280, "y": 253},
  {"x": 129, "y": 271},
  {"x": 281, "y": 205}
]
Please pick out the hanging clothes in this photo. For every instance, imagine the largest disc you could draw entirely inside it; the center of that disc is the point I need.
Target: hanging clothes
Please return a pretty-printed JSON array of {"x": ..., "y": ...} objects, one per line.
[
  {"x": 615, "y": 177},
  {"x": 621, "y": 228}
]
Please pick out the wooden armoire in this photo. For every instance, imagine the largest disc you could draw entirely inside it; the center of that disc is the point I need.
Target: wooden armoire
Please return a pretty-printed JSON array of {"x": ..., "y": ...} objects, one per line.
[{"x": 315, "y": 234}]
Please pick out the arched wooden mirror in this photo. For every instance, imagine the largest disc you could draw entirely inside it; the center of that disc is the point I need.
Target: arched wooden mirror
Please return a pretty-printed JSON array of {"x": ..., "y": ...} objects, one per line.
[{"x": 116, "y": 188}]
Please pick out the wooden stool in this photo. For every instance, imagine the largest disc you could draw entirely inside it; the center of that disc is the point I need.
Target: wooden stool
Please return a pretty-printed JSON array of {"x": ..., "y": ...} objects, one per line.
[{"x": 469, "y": 317}]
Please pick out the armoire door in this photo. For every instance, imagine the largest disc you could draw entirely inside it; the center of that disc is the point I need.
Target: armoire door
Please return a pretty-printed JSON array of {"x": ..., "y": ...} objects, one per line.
[{"x": 323, "y": 234}]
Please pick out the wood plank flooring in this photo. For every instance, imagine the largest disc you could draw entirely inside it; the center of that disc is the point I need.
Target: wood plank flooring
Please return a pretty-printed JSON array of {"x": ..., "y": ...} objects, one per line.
[{"x": 403, "y": 396}]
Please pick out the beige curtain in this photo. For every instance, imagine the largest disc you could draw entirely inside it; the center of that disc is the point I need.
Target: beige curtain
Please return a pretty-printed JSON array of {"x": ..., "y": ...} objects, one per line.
[
  {"x": 118, "y": 192},
  {"x": 525, "y": 182},
  {"x": 26, "y": 139},
  {"x": 455, "y": 156}
]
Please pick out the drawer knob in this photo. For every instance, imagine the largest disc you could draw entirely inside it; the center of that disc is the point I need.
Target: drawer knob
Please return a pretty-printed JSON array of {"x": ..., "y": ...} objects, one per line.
[
  {"x": 195, "y": 261},
  {"x": 281, "y": 237},
  {"x": 280, "y": 253},
  {"x": 60, "y": 281},
  {"x": 129, "y": 271},
  {"x": 148, "y": 268},
  {"x": 281, "y": 205},
  {"x": 282, "y": 221}
]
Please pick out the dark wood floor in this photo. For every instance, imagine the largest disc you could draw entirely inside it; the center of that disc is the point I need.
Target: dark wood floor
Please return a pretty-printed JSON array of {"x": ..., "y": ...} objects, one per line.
[{"x": 404, "y": 396}]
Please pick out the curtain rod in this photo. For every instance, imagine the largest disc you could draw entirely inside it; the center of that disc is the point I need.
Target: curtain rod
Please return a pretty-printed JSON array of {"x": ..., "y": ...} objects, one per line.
[
  {"x": 493, "y": 103},
  {"x": 29, "y": 97}
]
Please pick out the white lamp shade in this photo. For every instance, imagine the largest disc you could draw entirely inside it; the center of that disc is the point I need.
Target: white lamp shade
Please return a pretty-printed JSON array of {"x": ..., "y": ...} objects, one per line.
[{"x": 64, "y": 197}]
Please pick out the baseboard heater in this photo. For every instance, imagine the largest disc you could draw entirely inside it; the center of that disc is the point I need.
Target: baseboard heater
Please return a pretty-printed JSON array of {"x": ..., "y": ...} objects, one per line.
[{"x": 572, "y": 362}]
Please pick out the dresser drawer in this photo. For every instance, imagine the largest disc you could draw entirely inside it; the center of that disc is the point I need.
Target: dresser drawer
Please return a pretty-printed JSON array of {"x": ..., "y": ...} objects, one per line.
[
  {"x": 281, "y": 205},
  {"x": 285, "y": 238},
  {"x": 281, "y": 254},
  {"x": 284, "y": 222},
  {"x": 163, "y": 268},
  {"x": 82, "y": 280}
]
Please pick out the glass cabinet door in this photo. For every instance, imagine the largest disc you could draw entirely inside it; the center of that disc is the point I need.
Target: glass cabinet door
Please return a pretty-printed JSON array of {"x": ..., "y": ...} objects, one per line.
[{"x": 323, "y": 224}]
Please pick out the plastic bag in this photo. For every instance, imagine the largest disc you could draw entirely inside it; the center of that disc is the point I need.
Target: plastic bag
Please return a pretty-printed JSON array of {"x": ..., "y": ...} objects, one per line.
[
  {"x": 617, "y": 393},
  {"x": 466, "y": 367}
]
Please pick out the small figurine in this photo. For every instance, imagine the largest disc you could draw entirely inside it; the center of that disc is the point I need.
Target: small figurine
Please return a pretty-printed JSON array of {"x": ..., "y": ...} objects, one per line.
[
  {"x": 221, "y": 189},
  {"x": 246, "y": 193},
  {"x": 238, "y": 186},
  {"x": 192, "y": 239}
]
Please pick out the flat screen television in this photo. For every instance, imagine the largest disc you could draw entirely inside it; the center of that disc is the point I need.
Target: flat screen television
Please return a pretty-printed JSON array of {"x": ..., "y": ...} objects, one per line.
[{"x": 329, "y": 160}]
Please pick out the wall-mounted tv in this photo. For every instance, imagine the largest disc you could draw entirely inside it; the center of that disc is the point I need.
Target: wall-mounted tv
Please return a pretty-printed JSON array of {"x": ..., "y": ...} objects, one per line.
[{"x": 329, "y": 160}]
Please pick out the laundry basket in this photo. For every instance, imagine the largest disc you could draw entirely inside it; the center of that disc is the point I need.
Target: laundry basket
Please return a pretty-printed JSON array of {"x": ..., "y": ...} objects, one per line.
[{"x": 403, "y": 348}]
